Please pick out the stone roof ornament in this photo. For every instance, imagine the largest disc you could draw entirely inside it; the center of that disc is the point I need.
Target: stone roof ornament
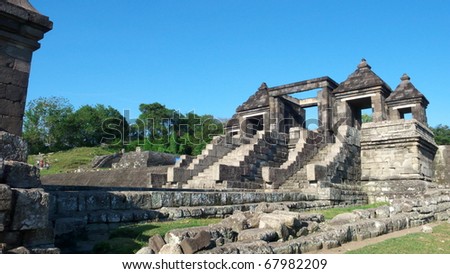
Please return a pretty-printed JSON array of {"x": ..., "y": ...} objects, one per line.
[
  {"x": 405, "y": 77},
  {"x": 263, "y": 86},
  {"x": 363, "y": 64}
]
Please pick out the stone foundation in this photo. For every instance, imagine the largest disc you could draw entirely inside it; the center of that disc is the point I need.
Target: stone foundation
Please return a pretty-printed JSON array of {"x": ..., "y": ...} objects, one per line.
[
  {"x": 284, "y": 232},
  {"x": 81, "y": 218},
  {"x": 396, "y": 158}
]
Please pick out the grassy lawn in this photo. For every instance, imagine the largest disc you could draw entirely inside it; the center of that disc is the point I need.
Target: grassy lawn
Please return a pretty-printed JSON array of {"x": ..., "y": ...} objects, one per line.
[
  {"x": 332, "y": 212},
  {"x": 437, "y": 242},
  {"x": 129, "y": 239},
  {"x": 70, "y": 160}
]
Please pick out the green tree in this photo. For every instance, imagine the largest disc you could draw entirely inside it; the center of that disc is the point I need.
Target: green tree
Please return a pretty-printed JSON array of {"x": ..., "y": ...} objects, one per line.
[
  {"x": 366, "y": 118},
  {"x": 94, "y": 125},
  {"x": 442, "y": 134},
  {"x": 155, "y": 122},
  {"x": 46, "y": 124}
]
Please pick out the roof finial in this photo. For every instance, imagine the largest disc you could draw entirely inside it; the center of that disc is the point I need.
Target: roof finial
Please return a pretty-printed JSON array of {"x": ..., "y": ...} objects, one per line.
[
  {"x": 263, "y": 86},
  {"x": 405, "y": 77},
  {"x": 363, "y": 64}
]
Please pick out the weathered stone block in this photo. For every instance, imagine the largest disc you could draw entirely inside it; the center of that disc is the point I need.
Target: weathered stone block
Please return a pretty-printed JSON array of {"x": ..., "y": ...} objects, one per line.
[
  {"x": 19, "y": 250},
  {"x": 427, "y": 229},
  {"x": 171, "y": 248},
  {"x": 12, "y": 147},
  {"x": 269, "y": 208},
  {"x": 69, "y": 225},
  {"x": 345, "y": 218},
  {"x": 21, "y": 175},
  {"x": 39, "y": 237},
  {"x": 67, "y": 202},
  {"x": 237, "y": 222},
  {"x": 383, "y": 212},
  {"x": 145, "y": 250},
  {"x": 2, "y": 169},
  {"x": 52, "y": 250},
  {"x": 5, "y": 197},
  {"x": 198, "y": 242},
  {"x": 156, "y": 242},
  {"x": 31, "y": 209},
  {"x": 11, "y": 238},
  {"x": 257, "y": 234},
  {"x": 98, "y": 201},
  {"x": 282, "y": 224}
]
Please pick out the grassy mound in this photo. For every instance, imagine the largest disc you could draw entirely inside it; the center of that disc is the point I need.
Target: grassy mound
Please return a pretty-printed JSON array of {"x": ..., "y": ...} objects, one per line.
[{"x": 69, "y": 160}]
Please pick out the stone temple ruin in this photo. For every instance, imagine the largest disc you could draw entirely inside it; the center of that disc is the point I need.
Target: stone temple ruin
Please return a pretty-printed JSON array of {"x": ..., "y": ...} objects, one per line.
[
  {"x": 268, "y": 160},
  {"x": 268, "y": 146}
]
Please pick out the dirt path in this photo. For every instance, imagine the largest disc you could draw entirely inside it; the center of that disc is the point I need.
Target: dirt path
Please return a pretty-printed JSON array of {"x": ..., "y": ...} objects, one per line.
[{"x": 359, "y": 244}]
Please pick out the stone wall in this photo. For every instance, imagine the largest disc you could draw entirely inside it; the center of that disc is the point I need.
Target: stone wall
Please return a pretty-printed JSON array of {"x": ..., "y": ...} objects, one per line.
[
  {"x": 139, "y": 159},
  {"x": 396, "y": 158},
  {"x": 397, "y": 150},
  {"x": 82, "y": 217},
  {"x": 129, "y": 177},
  {"x": 442, "y": 165},
  {"x": 24, "y": 205}
]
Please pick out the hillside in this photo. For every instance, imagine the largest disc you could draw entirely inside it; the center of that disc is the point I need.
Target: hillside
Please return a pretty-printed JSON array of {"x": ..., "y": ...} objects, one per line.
[{"x": 70, "y": 160}]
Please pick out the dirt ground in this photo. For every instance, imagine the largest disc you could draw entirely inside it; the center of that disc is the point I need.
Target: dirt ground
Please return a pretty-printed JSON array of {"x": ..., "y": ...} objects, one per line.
[{"x": 359, "y": 244}]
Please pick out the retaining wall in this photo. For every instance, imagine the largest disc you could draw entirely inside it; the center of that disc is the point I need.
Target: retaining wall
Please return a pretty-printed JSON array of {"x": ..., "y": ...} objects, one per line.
[{"x": 83, "y": 217}]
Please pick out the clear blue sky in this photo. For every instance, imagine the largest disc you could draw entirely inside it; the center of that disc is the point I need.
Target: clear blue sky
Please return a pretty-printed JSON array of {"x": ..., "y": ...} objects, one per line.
[{"x": 210, "y": 56}]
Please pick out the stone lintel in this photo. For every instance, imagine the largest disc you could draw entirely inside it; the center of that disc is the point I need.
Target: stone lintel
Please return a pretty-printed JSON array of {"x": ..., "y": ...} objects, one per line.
[{"x": 322, "y": 82}]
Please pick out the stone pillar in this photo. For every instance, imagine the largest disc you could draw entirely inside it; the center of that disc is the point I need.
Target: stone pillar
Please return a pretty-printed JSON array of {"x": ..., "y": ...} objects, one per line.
[
  {"x": 21, "y": 28},
  {"x": 325, "y": 113},
  {"x": 419, "y": 113},
  {"x": 394, "y": 114},
  {"x": 276, "y": 114},
  {"x": 379, "y": 110}
]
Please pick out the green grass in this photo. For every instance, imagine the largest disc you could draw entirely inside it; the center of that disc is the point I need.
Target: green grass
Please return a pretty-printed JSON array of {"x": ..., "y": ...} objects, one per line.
[
  {"x": 437, "y": 242},
  {"x": 332, "y": 212},
  {"x": 70, "y": 160},
  {"x": 129, "y": 239}
]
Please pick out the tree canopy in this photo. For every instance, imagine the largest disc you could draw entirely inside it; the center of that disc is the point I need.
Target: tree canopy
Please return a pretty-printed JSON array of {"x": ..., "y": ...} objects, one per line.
[
  {"x": 442, "y": 134},
  {"x": 52, "y": 124}
]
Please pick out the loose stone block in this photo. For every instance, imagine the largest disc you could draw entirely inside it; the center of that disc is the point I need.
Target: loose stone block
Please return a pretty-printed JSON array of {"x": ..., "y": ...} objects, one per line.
[
  {"x": 427, "y": 229},
  {"x": 156, "y": 242},
  {"x": 192, "y": 245},
  {"x": 19, "y": 250},
  {"x": 171, "y": 249},
  {"x": 268, "y": 235},
  {"x": 145, "y": 250}
]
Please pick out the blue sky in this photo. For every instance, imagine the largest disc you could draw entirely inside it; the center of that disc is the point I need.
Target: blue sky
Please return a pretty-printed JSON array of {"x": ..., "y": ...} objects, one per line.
[{"x": 209, "y": 56}]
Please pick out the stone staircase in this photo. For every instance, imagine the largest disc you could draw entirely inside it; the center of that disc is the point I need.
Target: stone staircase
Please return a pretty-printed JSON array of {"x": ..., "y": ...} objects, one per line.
[
  {"x": 338, "y": 162},
  {"x": 188, "y": 167},
  {"x": 241, "y": 167},
  {"x": 300, "y": 152}
]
